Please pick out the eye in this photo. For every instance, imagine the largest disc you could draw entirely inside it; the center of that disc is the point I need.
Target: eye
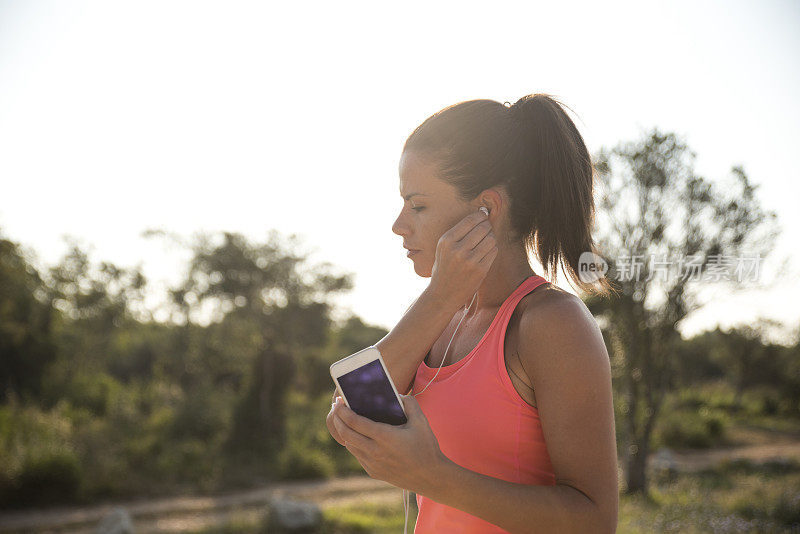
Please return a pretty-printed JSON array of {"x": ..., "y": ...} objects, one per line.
[{"x": 420, "y": 208}]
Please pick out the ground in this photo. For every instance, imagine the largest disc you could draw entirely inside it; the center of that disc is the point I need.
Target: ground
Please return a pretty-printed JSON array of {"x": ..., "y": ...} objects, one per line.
[{"x": 192, "y": 514}]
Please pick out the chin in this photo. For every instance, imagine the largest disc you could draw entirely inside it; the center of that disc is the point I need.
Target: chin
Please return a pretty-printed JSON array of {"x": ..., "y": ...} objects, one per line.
[{"x": 423, "y": 269}]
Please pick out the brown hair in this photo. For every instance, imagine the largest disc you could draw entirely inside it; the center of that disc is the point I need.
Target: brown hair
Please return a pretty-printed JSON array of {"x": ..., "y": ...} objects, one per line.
[{"x": 533, "y": 150}]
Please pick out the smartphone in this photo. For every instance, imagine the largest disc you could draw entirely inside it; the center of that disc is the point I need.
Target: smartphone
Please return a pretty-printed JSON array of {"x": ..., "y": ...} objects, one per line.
[{"x": 367, "y": 388}]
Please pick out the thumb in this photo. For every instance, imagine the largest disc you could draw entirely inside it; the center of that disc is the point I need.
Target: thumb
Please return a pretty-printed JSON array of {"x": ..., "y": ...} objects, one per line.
[{"x": 411, "y": 405}]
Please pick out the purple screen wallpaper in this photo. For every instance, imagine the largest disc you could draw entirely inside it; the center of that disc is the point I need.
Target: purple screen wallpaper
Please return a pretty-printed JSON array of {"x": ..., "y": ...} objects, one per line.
[{"x": 370, "y": 394}]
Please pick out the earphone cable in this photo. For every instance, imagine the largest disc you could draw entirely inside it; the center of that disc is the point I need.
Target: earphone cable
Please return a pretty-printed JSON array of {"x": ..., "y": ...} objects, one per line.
[
  {"x": 406, "y": 494},
  {"x": 448, "y": 345}
]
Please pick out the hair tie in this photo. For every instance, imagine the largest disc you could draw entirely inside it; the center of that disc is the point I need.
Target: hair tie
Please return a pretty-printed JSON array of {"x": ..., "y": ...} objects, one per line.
[{"x": 507, "y": 104}]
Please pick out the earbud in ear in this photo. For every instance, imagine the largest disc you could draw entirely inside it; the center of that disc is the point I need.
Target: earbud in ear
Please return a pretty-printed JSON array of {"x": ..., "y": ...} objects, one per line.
[{"x": 485, "y": 210}]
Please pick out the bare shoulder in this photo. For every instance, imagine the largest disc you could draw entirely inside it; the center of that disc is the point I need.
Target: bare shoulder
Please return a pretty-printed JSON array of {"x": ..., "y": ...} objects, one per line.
[
  {"x": 563, "y": 347},
  {"x": 552, "y": 313},
  {"x": 558, "y": 333}
]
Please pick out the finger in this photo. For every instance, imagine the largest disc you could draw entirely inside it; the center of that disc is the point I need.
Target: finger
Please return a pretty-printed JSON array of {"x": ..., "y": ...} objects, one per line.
[
  {"x": 489, "y": 257},
  {"x": 410, "y": 402},
  {"x": 463, "y": 227},
  {"x": 477, "y": 235},
  {"x": 412, "y": 407},
  {"x": 360, "y": 456},
  {"x": 362, "y": 425},
  {"x": 329, "y": 422},
  {"x": 480, "y": 240},
  {"x": 352, "y": 437},
  {"x": 482, "y": 248}
]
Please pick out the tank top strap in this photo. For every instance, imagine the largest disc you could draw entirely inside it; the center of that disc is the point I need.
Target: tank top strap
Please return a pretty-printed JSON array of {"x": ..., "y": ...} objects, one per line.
[
  {"x": 530, "y": 283},
  {"x": 489, "y": 340},
  {"x": 498, "y": 343}
]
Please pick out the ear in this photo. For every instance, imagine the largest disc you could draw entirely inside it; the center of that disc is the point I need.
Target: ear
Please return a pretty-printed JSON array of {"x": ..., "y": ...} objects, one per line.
[{"x": 494, "y": 200}]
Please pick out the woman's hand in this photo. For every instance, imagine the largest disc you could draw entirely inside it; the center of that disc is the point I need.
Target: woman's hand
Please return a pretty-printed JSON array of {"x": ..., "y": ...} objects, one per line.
[
  {"x": 406, "y": 456},
  {"x": 329, "y": 419},
  {"x": 464, "y": 255}
]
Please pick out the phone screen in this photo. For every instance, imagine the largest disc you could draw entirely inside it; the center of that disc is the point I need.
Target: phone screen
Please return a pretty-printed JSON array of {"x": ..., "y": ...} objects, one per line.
[{"x": 370, "y": 394}]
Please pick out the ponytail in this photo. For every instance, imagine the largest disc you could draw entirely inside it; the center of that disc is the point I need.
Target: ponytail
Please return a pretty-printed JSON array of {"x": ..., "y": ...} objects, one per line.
[{"x": 551, "y": 188}]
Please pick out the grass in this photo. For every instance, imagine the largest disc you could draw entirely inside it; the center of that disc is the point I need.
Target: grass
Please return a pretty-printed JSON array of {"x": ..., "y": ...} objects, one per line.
[
  {"x": 738, "y": 496},
  {"x": 367, "y": 518},
  {"x": 352, "y": 519},
  {"x": 707, "y": 416}
]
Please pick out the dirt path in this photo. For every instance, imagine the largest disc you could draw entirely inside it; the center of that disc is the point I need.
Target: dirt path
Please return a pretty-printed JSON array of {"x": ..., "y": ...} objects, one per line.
[
  {"x": 180, "y": 510},
  {"x": 180, "y": 514},
  {"x": 696, "y": 460}
]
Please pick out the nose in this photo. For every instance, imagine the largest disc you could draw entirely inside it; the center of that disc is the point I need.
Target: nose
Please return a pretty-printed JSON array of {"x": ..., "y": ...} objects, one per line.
[{"x": 398, "y": 227}]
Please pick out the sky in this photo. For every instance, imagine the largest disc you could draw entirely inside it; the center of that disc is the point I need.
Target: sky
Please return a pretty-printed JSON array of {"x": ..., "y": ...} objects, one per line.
[{"x": 118, "y": 117}]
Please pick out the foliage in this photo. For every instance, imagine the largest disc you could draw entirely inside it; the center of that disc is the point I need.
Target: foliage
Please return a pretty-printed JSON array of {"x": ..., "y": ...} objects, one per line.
[
  {"x": 655, "y": 211},
  {"x": 103, "y": 401},
  {"x": 26, "y": 314}
]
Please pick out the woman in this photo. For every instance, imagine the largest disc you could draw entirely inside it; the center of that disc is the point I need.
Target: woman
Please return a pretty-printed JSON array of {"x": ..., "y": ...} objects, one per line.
[{"x": 515, "y": 431}]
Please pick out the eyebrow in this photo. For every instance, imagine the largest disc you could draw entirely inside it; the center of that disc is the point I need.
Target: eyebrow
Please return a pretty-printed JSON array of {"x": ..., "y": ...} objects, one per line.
[{"x": 408, "y": 196}]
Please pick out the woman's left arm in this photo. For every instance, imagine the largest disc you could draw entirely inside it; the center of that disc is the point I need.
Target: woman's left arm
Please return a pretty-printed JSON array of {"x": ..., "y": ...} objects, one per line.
[{"x": 562, "y": 348}]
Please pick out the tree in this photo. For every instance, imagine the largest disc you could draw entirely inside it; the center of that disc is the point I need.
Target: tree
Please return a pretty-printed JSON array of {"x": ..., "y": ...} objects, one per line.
[
  {"x": 26, "y": 342},
  {"x": 656, "y": 212},
  {"x": 747, "y": 359},
  {"x": 98, "y": 303},
  {"x": 694, "y": 362},
  {"x": 269, "y": 314}
]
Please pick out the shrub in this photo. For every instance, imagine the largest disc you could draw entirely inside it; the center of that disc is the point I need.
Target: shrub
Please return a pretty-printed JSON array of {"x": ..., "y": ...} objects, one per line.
[
  {"x": 769, "y": 405},
  {"x": 298, "y": 463},
  {"x": 682, "y": 429},
  {"x": 715, "y": 425},
  {"x": 93, "y": 391},
  {"x": 53, "y": 477}
]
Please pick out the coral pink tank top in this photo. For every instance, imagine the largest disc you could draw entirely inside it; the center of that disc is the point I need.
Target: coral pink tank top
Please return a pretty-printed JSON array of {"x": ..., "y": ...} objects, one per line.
[{"x": 481, "y": 422}]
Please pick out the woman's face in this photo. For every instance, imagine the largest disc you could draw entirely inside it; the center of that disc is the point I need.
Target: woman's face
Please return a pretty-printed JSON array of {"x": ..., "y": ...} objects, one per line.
[{"x": 430, "y": 208}]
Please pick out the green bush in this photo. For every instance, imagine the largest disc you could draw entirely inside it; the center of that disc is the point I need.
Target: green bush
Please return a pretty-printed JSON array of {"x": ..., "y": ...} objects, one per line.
[
  {"x": 298, "y": 463},
  {"x": 54, "y": 477},
  {"x": 93, "y": 391},
  {"x": 785, "y": 508},
  {"x": 769, "y": 405},
  {"x": 715, "y": 425},
  {"x": 730, "y": 466},
  {"x": 202, "y": 415},
  {"x": 772, "y": 466},
  {"x": 685, "y": 429},
  {"x": 38, "y": 464}
]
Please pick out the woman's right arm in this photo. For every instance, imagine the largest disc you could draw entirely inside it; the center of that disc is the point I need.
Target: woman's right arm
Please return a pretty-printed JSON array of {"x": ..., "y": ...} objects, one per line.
[
  {"x": 464, "y": 255},
  {"x": 407, "y": 344}
]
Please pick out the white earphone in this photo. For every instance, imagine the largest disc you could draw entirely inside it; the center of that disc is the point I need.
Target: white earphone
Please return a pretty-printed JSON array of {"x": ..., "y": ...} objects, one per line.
[{"x": 406, "y": 495}]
